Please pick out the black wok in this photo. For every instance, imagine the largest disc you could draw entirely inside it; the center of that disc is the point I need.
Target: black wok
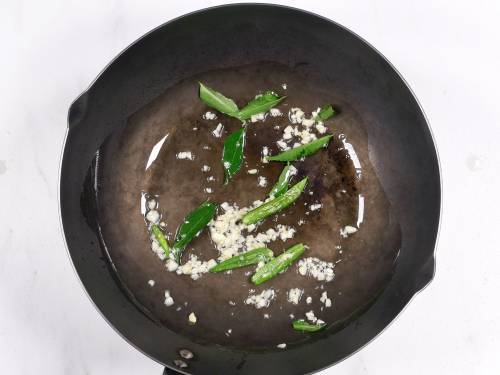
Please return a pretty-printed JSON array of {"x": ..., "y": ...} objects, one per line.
[{"x": 108, "y": 129}]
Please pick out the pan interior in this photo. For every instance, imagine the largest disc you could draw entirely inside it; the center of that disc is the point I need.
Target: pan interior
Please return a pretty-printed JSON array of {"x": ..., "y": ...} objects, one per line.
[{"x": 350, "y": 194}]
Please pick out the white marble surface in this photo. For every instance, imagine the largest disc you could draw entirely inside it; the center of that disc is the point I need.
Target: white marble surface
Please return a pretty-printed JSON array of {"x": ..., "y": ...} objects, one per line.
[{"x": 51, "y": 50}]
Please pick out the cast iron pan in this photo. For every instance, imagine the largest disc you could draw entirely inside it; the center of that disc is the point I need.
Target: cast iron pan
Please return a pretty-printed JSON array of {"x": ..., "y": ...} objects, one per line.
[{"x": 150, "y": 90}]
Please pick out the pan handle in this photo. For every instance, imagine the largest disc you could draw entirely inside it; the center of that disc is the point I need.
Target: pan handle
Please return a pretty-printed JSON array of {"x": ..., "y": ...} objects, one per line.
[
  {"x": 426, "y": 274},
  {"x": 77, "y": 110},
  {"x": 169, "y": 371}
]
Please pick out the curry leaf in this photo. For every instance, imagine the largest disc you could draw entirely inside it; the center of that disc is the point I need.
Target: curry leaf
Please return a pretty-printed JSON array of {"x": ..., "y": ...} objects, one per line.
[
  {"x": 217, "y": 101},
  {"x": 232, "y": 154},
  {"x": 192, "y": 225},
  {"x": 261, "y": 103}
]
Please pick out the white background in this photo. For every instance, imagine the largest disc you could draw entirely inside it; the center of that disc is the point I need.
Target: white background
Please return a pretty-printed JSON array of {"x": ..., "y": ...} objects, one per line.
[{"x": 448, "y": 51}]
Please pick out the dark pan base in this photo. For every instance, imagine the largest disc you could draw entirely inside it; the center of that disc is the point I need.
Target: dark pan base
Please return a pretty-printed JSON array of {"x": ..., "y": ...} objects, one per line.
[{"x": 365, "y": 260}]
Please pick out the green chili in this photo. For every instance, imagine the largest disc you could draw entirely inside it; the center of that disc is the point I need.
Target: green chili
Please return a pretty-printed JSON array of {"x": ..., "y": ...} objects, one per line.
[
  {"x": 276, "y": 204},
  {"x": 325, "y": 113},
  {"x": 301, "y": 151},
  {"x": 160, "y": 237},
  {"x": 278, "y": 264},
  {"x": 304, "y": 326},
  {"x": 262, "y": 254},
  {"x": 281, "y": 185}
]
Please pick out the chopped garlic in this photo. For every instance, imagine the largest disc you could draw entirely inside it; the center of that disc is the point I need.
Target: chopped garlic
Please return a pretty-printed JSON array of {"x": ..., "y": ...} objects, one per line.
[
  {"x": 325, "y": 300},
  {"x": 217, "y": 132},
  {"x": 151, "y": 283},
  {"x": 321, "y": 128},
  {"x": 261, "y": 300},
  {"x": 252, "y": 171},
  {"x": 193, "y": 267},
  {"x": 316, "y": 112},
  {"x": 262, "y": 181},
  {"x": 282, "y": 145},
  {"x": 151, "y": 204},
  {"x": 209, "y": 116},
  {"x": 169, "y": 301},
  {"x": 347, "y": 230},
  {"x": 311, "y": 317},
  {"x": 153, "y": 216},
  {"x": 308, "y": 122},
  {"x": 157, "y": 249},
  {"x": 185, "y": 155},
  {"x": 309, "y": 300},
  {"x": 208, "y": 190},
  {"x": 281, "y": 346},
  {"x": 171, "y": 265},
  {"x": 288, "y": 132},
  {"x": 285, "y": 232},
  {"x": 228, "y": 232},
  {"x": 317, "y": 268},
  {"x": 205, "y": 168},
  {"x": 294, "y": 295},
  {"x": 258, "y": 117},
  {"x": 296, "y": 115},
  {"x": 314, "y": 207},
  {"x": 265, "y": 152},
  {"x": 192, "y": 318},
  {"x": 275, "y": 112},
  {"x": 307, "y": 137}
]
